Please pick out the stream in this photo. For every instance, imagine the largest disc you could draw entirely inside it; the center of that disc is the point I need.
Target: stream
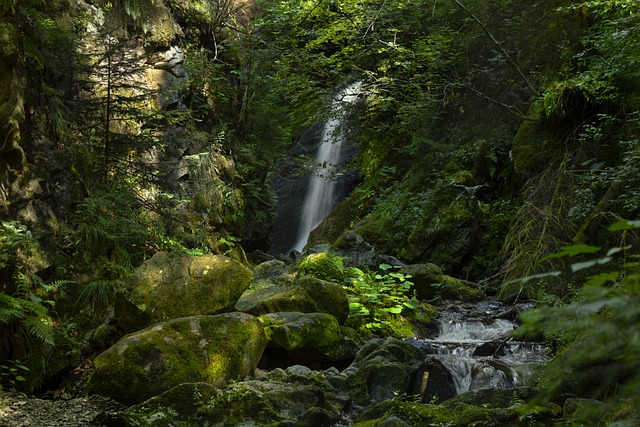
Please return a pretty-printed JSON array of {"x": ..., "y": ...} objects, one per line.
[{"x": 473, "y": 343}]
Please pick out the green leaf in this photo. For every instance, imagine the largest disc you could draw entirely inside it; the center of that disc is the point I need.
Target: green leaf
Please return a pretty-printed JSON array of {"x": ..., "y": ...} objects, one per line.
[
  {"x": 587, "y": 264},
  {"x": 624, "y": 225},
  {"x": 602, "y": 278},
  {"x": 385, "y": 267},
  {"x": 573, "y": 250}
]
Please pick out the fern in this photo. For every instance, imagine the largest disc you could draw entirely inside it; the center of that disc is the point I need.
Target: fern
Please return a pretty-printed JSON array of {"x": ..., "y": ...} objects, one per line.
[{"x": 39, "y": 327}]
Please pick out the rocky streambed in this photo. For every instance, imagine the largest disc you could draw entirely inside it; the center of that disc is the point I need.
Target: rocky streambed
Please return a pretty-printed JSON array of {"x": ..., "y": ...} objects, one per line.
[
  {"x": 402, "y": 382},
  {"x": 277, "y": 353}
]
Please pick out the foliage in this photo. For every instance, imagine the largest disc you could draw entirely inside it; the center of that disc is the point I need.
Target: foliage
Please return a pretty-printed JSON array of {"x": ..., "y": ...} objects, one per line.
[
  {"x": 25, "y": 300},
  {"x": 377, "y": 298},
  {"x": 11, "y": 373},
  {"x": 596, "y": 335}
]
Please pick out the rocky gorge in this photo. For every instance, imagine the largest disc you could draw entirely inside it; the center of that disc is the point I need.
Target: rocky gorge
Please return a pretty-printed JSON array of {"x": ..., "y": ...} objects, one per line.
[{"x": 274, "y": 349}]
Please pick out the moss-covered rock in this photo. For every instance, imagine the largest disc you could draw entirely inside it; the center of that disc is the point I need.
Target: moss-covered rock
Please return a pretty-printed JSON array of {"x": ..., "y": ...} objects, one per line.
[
  {"x": 323, "y": 265},
  {"x": 383, "y": 369},
  {"x": 430, "y": 282},
  {"x": 172, "y": 285},
  {"x": 177, "y": 406},
  {"x": 460, "y": 413},
  {"x": 308, "y": 337},
  {"x": 212, "y": 349},
  {"x": 304, "y": 295},
  {"x": 274, "y": 403}
]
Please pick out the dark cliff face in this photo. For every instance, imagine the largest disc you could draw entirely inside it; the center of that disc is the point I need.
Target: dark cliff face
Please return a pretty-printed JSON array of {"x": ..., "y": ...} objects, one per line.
[{"x": 291, "y": 184}]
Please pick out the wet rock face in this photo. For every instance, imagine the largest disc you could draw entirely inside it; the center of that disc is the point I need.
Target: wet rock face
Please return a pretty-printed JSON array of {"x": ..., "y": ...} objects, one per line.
[
  {"x": 171, "y": 285},
  {"x": 212, "y": 349}
]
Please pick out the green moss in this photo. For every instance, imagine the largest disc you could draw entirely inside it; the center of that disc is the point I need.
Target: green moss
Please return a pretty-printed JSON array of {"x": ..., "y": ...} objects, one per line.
[
  {"x": 213, "y": 349},
  {"x": 324, "y": 266}
]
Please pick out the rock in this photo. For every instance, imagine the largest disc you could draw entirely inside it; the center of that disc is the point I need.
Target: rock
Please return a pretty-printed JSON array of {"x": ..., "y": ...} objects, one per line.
[
  {"x": 271, "y": 271},
  {"x": 430, "y": 282},
  {"x": 176, "y": 406},
  {"x": 253, "y": 403},
  {"x": 308, "y": 337},
  {"x": 213, "y": 349},
  {"x": 490, "y": 348},
  {"x": 323, "y": 265},
  {"x": 383, "y": 369},
  {"x": 355, "y": 252},
  {"x": 464, "y": 411},
  {"x": 304, "y": 295},
  {"x": 494, "y": 397},
  {"x": 207, "y": 284},
  {"x": 433, "y": 382}
]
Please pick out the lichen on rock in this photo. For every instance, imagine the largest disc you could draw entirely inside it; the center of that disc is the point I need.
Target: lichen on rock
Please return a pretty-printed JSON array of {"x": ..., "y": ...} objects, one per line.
[
  {"x": 212, "y": 349},
  {"x": 172, "y": 285}
]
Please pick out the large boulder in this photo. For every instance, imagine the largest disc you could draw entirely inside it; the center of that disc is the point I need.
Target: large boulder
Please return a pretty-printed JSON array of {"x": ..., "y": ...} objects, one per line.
[
  {"x": 272, "y": 403},
  {"x": 304, "y": 295},
  {"x": 212, "y": 349},
  {"x": 384, "y": 369},
  {"x": 172, "y": 285},
  {"x": 308, "y": 337}
]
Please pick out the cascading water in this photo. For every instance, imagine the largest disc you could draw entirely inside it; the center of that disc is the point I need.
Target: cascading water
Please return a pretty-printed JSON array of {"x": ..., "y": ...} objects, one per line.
[
  {"x": 473, "y": 344},
  {"x": 319, "y": 200}
]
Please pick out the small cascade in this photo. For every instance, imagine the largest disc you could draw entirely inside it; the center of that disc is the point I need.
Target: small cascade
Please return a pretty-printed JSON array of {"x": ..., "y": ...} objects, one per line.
[
  {"x": 319, "y": 200},
  {"x": 473, "y": 343}
]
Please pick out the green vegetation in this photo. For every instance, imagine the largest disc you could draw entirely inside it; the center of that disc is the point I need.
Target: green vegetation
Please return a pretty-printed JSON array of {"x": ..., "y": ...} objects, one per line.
[
  {"x": 494, "y": 139},
  {"x": 377, "y": 299},
  {"x": 595, "y": 336}
]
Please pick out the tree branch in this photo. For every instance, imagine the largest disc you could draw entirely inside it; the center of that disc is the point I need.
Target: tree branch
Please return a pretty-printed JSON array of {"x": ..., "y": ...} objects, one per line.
[{"x": 502, "y": 50}]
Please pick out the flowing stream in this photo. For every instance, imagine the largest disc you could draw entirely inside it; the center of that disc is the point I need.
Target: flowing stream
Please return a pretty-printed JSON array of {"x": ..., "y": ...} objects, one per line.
[
  {"x": 473, "y": 343},
  {"x": 319, "y": 200}
]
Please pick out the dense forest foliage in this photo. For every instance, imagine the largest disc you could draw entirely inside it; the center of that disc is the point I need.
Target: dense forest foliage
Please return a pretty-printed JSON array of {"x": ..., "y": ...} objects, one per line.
[{"x": 498, "y": 139}]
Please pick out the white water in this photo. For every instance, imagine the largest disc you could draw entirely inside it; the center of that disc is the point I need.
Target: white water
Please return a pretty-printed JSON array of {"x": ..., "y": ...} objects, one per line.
[
  {"x": 461, "y": 333},
  {"x": 319, "y": 200}
]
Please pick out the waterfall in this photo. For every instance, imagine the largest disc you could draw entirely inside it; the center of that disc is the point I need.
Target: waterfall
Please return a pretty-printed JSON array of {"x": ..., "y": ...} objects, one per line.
[{"x": 319, "y": 199}]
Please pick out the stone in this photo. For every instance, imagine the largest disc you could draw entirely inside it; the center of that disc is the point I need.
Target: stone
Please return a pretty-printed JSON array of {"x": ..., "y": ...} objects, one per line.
[
  {"x": 172, "y": 285},
  {"x": 383, "y": 369},
  {"x": 304, "y": 295},
  {"x": 212, "y": 349},
  {"x": 258, "y": 403},
  {"x": 433, "y": 382},
  {"x": 308, "y": 337},
  {"x": 176, "y": 406}
]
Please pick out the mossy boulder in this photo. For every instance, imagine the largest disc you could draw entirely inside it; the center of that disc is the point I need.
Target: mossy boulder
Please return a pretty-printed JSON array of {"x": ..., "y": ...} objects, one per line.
[
  {"x": 274, "y": 403},
  {"x": 323, "y": 265},
  {"x": 383, "y": 369},
  {"x": 430, "y": 282},
  {"x": 172, "y": 285},
  {"x": 304, "y": 295},
  {"x": 459, "y": 412},
  {"x": 308, "y": 337},
  {"x": 177, "y": 406},
  {"x": 212, "y": 349}
]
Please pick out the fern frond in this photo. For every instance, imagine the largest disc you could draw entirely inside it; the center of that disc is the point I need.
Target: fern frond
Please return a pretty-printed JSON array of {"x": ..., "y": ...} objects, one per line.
[
  {"x": 10, "y": 307},
  {"x": 55, "y": 285},
  {"x": 40, "y": 328},
  {"x": 35, "y": 307}
]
